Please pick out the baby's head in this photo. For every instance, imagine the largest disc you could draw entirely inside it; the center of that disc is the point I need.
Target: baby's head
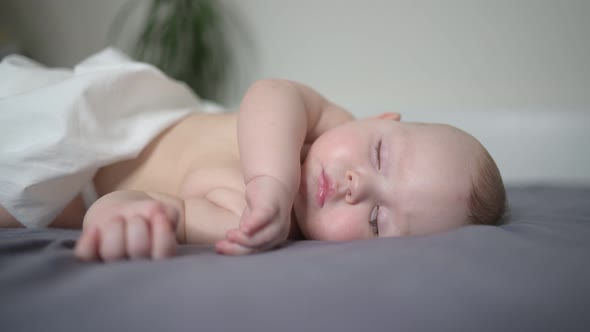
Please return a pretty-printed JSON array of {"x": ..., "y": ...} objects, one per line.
[{"x": 382, "y": 177}]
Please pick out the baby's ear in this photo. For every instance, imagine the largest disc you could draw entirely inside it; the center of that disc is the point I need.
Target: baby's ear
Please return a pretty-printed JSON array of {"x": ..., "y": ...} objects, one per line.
[{"x": 389, "y": 116}]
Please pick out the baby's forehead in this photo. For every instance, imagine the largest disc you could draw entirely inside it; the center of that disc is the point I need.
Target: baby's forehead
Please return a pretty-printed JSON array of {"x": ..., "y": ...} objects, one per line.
[
  {"x": 439, "y": 132},
  {"x": 436, "y": 145}
]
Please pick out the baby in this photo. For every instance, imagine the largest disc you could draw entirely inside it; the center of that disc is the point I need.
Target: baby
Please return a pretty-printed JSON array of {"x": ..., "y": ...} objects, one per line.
[{"x": 298, "y": 166}]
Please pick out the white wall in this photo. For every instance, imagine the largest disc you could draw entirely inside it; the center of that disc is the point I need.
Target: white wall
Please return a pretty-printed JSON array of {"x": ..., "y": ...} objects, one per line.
[
  {"x": 428, "y": 54},
  {"x": 515, "y": 73}
]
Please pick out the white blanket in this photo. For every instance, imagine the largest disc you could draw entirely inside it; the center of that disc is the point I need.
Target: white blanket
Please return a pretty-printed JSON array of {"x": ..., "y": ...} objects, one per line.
[{"x": 59, "y": 126}]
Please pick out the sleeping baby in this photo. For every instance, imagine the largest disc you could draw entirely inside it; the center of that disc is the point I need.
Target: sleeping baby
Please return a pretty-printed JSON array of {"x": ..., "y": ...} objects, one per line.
[{"x": 289, "y": 164}]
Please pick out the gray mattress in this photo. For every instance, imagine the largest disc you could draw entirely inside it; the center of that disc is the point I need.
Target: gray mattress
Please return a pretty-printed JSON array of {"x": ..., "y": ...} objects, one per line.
[{"x": 532, "y": 274}]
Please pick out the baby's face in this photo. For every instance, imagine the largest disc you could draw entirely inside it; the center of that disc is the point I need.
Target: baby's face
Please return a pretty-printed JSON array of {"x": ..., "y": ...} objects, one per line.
[{"x": 378, "y": 177}]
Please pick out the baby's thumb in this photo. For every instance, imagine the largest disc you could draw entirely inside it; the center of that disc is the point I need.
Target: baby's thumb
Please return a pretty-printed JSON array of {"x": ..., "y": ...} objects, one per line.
[{"x": 246, "y": 220}]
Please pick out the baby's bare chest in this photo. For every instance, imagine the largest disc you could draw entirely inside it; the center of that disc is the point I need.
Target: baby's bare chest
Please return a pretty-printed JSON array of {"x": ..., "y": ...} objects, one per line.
[{"x": 196, "y": 156}]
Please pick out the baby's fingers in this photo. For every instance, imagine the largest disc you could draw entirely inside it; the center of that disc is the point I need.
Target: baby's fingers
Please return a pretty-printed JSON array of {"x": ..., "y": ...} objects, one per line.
[
  {"x": 112, "y": 245},
  {"x": 163, "y": 237},
  {"x": 252, "y": 221},
  {"x": 265, "y": 238},
  {"x": 87, "y": 246},
  {"x": 229, "y": 248},
  {"x": 138, "y": 238}
]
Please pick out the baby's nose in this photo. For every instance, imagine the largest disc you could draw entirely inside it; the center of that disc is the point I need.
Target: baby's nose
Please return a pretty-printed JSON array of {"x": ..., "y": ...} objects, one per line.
[{"x": 355, "y": 187}]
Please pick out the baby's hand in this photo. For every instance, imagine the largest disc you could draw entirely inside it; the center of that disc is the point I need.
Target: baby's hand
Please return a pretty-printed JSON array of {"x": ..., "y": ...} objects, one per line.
[
  {"x": 128, "y": 225},
  {"x": 265, "y": 221}
]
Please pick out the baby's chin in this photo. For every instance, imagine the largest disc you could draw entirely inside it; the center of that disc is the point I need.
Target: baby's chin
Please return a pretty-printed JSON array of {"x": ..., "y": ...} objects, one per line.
[{"x": 308, "y": 225}]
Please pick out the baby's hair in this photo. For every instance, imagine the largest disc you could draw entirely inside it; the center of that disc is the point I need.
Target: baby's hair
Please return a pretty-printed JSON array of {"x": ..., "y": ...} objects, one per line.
[{"x": 487, "y": 201}]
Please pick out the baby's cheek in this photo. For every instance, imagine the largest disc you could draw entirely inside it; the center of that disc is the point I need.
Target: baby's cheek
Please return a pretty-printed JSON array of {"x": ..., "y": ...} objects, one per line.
[{"x": 342, "y": 228}]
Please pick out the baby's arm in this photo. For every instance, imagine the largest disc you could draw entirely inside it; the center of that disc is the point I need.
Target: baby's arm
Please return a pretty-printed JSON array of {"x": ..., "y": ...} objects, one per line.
[
  {"x": 276, "y": 118},
  {"x": 135, "y": 224}
]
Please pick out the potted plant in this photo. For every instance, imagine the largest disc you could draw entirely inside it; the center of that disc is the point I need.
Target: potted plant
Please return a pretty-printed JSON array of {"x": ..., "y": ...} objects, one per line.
[{"x": 185, "y": 39}]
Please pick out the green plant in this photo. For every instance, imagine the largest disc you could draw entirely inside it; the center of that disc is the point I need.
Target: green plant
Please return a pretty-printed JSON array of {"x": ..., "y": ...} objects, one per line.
[{"x": 185, "y": 39}]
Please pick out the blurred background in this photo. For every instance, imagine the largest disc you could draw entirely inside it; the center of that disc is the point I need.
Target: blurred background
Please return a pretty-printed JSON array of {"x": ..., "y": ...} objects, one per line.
[{"x": 514, "y": 73}]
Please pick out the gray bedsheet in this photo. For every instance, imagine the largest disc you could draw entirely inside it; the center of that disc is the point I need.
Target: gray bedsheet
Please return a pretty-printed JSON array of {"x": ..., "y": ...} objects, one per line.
[{"x": 532, "y": 274}]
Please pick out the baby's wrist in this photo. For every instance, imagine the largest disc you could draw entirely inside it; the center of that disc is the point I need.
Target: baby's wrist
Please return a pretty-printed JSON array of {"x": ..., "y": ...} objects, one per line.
[{"x": 288, "y": 190}]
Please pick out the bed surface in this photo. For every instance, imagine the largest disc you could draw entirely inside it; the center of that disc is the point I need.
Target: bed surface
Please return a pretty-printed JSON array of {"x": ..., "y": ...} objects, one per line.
[{"x": 532, "y": 274}]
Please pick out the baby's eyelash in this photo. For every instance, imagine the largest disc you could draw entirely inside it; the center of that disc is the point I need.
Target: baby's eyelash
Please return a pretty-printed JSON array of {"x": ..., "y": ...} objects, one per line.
[
  {"x": 378, "y": 154},
  {"x": 374, "y": 227},
  {"x": 373, "y": 222}
]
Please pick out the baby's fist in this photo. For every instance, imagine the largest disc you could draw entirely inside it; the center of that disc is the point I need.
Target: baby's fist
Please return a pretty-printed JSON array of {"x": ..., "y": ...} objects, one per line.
[{"x": 127, "y": 226}]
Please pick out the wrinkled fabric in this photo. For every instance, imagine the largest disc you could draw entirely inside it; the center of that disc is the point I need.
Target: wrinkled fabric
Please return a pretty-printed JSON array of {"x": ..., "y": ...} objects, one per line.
[{"x": 59, "y": 126}]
